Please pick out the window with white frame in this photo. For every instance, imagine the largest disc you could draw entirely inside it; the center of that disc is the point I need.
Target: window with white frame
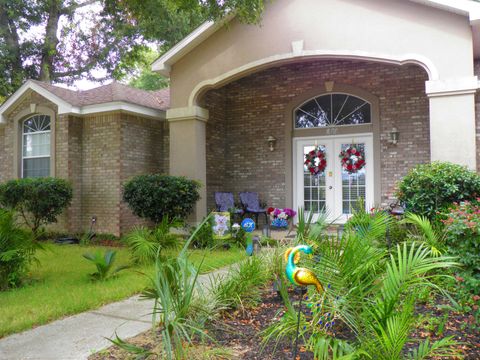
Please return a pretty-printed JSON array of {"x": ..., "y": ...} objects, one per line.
[
  {"x": 332, "y": 110},
  {"x": 36, "y": 147}
]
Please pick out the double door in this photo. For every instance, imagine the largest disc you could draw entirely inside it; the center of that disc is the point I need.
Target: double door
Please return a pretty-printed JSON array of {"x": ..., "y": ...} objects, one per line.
[{"x": 334, "y": 191}]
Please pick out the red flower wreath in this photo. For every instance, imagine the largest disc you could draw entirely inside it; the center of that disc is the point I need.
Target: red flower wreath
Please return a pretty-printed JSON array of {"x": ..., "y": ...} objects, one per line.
[
  {"x": 315, "y": 161},
  {"x": 353, "y": 159}
]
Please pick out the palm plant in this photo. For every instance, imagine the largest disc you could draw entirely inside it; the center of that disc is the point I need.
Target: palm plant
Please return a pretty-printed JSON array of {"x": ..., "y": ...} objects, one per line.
[
  {"x": 175, "y": 311},
  {"x": 104, "y": 264},
  {"x": 146, "y": 243},
  {"x": 423, "y": 230},
  {"x": 370, "y": 290}
]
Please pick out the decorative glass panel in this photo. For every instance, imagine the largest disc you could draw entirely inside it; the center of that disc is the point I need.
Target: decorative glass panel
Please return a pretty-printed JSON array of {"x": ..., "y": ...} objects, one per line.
[
  {"x": 313, "y": 187},
  {"x": 353, "y": 185},
  {"x": 332, "y": 110},
  {"x": 36, "y": 146}
]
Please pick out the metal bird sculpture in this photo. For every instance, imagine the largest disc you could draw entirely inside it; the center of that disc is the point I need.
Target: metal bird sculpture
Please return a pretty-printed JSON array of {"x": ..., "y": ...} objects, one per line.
[{"x": 297, "y": 275}]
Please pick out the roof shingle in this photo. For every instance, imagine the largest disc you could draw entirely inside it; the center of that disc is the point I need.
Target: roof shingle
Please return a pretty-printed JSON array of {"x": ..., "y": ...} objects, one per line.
[{"x": 112, "y": 92}]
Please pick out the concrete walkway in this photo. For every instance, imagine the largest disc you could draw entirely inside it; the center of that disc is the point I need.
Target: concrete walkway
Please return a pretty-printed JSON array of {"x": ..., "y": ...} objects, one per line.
[{"x": 77, "y": 337}]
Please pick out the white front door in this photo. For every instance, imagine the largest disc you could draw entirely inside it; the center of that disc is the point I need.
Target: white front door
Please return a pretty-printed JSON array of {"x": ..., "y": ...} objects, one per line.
[{"x": 334, "y": 191}]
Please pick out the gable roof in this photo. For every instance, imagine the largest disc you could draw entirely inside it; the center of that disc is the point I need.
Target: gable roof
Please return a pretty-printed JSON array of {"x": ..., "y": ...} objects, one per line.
[
  {"x": 110, "y": 97},
  {"x": 469, "y": 8}
]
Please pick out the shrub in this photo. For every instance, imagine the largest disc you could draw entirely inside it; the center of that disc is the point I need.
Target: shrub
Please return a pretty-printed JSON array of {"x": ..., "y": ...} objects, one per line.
[
  {"x": 462, "y": 225},
  {"x": 38, "y": 201},
  {"x": 17, "y": 250},
  {"x": 155, "y": 196},
  {"x": 429, "y": 188}
]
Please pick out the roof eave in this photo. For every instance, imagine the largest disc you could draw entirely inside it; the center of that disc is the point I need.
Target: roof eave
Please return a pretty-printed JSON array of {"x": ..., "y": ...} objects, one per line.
[{"x": 164, "y": 63}]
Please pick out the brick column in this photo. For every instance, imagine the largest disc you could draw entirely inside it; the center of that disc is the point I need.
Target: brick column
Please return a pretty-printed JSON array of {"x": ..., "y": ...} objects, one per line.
[
  {"x": 452, "y": 120},
  {"x": 188, "y": 150}
]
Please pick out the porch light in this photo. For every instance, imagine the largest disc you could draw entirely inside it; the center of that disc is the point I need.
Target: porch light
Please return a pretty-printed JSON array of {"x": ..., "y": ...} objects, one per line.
[
  {"x": 393, "y": 134},
  {"x": 271, "y": 142}
]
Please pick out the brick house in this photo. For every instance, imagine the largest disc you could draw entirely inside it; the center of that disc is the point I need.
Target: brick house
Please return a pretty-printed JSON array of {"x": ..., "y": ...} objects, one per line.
[
  {"x": 397, "y": 78},
  {"x": 97, "y": 139}
]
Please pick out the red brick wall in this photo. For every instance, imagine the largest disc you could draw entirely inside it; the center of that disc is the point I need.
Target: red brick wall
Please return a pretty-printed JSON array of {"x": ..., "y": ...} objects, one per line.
[
  {"x": 255, "y": 106},
  {"x": 144, "y": 150}
]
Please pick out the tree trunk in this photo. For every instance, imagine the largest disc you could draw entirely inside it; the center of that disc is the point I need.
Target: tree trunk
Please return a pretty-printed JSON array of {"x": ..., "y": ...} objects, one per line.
[
  {"x": 51, "y": 41},
  {"x": 8, "y": 31}
]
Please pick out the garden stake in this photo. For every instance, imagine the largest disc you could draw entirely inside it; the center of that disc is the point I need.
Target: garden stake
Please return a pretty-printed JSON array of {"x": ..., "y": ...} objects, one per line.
[{"x": 303, "y": 291}]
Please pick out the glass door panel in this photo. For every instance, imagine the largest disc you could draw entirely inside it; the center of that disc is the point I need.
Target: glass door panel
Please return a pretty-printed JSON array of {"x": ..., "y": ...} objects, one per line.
[
  {"x": 314, "y": 198},
  {"x": 354, "y": 189}
]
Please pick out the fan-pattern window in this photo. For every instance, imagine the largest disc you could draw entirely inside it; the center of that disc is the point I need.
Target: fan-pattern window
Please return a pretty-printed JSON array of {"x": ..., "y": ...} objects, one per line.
[
  {"x": 36, "y": 146},
  {"x": 332, "y": 110}
]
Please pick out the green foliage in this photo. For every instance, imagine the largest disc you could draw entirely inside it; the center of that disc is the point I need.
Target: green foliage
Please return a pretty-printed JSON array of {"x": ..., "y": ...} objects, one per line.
[
  {"x": 172, "y": 289},
  {"x": 157, "y": 196},
  {"x": 424, "y": 231},
  {"x": 145, "y": 244},
  {"x": 371, "y": 290},
  {"x": 429, "y": 188},
  {"x": 17, "y": 251},
  {"x": 240, "y": 287},
  {"x": 462, "y": 226},
  {"x": 203, "y": 238},
  {"x": 38, "y": 200},
  {"x": 104, "y": 264},
  {"x": 143, "y": 77}
]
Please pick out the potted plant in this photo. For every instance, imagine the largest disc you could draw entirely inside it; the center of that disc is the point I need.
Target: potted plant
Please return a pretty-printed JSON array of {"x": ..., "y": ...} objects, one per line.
[{"x": 280, "y": 217}]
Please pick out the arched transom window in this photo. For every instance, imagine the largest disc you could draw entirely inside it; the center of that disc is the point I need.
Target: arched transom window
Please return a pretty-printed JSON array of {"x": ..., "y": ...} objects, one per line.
[
  {"x": 36, "y": 147},
  {"x": 332, "y": 110}
]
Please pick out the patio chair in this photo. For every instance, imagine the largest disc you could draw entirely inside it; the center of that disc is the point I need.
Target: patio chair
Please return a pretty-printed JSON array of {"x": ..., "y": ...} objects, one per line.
[
  {"x": 224, "y": 202},
  {"x": 251, "y": 205}
]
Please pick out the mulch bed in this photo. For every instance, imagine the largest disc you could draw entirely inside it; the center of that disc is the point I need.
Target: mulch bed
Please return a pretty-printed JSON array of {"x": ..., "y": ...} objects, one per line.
[{"x": 239, "y": 331}]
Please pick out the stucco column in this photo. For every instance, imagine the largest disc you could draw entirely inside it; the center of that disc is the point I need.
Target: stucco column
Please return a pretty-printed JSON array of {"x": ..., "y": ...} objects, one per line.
[
  {"x": 452, "y": 120},
  {"x": 188, "y": 150}
]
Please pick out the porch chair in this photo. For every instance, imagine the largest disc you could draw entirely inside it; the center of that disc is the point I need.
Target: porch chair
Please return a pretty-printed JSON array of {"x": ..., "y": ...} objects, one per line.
[
  {"x": 251, "y": 205},
  {"x": 224, "y": 202}
]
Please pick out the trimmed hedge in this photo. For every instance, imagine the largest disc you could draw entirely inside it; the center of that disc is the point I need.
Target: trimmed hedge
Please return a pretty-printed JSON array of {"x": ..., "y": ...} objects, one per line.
[
  {"x": 430, "y": 188},
  {"x": 155, "y": 196},
  {"x": 38, "y": 200}
]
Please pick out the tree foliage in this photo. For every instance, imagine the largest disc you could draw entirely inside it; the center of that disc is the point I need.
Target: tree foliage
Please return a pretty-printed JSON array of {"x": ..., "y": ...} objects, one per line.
[{"x": 66, "y": 40}]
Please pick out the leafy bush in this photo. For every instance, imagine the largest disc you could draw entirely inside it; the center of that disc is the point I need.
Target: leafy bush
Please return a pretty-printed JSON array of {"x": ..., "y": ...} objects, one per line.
[
  {"x": 462, "y": 225},
  {"x": 39, "y": 201},
  {"x": 104, "y": 264},
  {"x": 155, "y": 196},
  {"x": 429, "y": 188},
  {"x": 17, "y": 250},
  {"x": 145, "y": 243}
]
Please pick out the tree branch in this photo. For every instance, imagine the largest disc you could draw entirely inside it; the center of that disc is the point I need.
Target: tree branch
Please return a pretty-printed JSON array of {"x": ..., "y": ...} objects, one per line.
[{"x": 69, "y": 10}]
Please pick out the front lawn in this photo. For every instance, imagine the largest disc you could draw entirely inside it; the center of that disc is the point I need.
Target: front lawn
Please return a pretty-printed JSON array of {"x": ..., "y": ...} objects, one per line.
[{"x": 60, "y": 285}]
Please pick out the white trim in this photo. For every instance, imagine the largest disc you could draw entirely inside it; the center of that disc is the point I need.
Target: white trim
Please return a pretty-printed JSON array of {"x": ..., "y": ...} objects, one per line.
[
  {"x": 417, "y": 59},
  {"x": 163, "y": 64},
  {"x": 187, "y": 113},
  {"x": 120, "y": 106},
  {"x": 66, "y": 108},
  {"x": 334, "y": 166},
  {"x": 455, "y": 86},
  {"x": 196, "y": 37}
]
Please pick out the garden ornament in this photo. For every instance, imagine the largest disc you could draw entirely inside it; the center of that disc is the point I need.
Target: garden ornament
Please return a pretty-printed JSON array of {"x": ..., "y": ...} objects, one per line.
[{"x": 297, "y": 275}]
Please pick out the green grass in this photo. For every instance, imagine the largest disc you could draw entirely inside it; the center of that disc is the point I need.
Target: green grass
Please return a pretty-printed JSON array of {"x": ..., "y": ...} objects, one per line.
[{"x": 60, "y": 285}]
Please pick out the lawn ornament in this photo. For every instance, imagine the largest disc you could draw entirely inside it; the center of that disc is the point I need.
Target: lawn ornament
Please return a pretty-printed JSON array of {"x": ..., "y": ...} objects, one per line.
[{"x": 297, "y": 275}]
